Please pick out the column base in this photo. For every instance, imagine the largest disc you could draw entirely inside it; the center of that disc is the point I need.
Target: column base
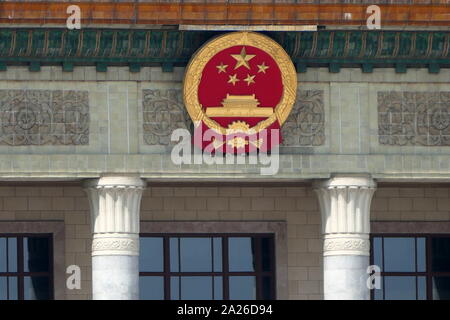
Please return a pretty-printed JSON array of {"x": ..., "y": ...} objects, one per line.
[
  {"x": 345, "y": 277},
  {"x": 116, "y": 277}
]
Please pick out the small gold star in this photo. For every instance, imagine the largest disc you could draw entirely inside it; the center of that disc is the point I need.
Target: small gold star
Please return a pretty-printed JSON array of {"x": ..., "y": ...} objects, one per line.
[
  {"x": 222, "y": 67},
  {"x": 242, "y": 59},
  {"x": 249, "y": 79},
  {"x": 233, "y": 79},
  {"x": 262, "y": 67}
]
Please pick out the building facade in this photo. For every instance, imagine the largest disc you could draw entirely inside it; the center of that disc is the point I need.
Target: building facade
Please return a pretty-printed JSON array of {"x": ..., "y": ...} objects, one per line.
[{"x": 93, "y": 205}]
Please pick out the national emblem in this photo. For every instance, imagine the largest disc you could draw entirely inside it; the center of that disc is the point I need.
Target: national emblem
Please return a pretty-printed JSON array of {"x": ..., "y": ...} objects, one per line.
[{"x": 240, "y": 84}]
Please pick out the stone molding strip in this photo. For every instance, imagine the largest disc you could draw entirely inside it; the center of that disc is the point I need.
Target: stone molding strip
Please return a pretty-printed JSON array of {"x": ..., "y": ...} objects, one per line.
[
  {"x": 346, "y": 244},
  {"x": 115, "y": 244}
]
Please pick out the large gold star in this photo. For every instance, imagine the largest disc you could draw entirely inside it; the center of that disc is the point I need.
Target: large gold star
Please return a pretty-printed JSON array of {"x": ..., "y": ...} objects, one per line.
[
  {"x": 262, "y": 67},
  {"x": 249, "y": 79},
  {"x": 222, "y": 67},
  {"x": 233, "y": 79},
  {"x": 242, "y": 59}
]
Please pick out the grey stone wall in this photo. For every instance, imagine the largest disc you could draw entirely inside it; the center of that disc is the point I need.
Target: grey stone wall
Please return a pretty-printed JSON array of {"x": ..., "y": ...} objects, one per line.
[{"x": 85, "y": 123}]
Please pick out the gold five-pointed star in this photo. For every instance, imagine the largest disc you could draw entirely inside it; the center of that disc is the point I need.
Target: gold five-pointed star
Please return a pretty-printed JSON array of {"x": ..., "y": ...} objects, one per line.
[
  {"x": 262, "y": 67},
  {"x": 222, "y": 67},
  {"x": 233, "y": 79},
  {"x": 249, "y": 79},
  {"x": 242, "y": 59}
]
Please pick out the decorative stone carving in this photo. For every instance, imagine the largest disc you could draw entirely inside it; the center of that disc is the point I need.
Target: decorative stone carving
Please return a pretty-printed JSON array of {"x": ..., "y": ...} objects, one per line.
[
  {"x": 345, "y": 204},
  {"x": 346, "y": 244},
  {"x": 414, "y": 118},
  {"x": 44, "y": 117},
  {"x": 115, "y": 204},
  {"x": 345, "y": 211},
  {"x": 305, "y": 125},
  {"x": 163, "y": 112},
  {"x": 115, "y": 244}
]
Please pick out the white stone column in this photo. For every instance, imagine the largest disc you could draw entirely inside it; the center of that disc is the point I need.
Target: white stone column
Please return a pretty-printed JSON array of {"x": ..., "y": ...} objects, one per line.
[
  {"x": 115, "y": 206},
  {"x": 345, "y": 210}
]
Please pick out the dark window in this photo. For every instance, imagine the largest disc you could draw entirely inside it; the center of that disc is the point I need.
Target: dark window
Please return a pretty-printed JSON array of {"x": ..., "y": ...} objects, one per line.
[
  {"x": 26, "y": 267},
  {"x": 207, "y": 267},
  {"x": 412, "y": 267}
]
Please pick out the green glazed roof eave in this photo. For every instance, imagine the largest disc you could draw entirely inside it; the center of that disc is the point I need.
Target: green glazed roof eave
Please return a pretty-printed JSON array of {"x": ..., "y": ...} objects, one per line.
[{"x": 111, "y": 47}]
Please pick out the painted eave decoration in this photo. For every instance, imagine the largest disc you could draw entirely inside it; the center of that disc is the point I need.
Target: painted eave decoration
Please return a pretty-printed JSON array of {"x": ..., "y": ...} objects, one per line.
[{"x": 168, "y": 48}]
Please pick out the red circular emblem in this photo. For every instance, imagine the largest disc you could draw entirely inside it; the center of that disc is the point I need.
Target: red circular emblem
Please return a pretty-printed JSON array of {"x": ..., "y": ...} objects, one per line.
[{"x": 242, "y": 87}]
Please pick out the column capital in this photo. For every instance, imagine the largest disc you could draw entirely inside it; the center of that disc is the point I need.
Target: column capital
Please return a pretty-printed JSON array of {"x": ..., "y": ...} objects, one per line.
[
  {"x": 115, "y": 206},
  {"x": 345, "y": 210},
  {"x": 342, "y": 181},
  {"x": 115, "y": 182}
]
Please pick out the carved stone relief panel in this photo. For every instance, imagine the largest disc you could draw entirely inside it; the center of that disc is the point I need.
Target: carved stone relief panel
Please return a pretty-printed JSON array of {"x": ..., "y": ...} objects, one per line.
[
  {"x": 414, "y": 118},
  {"x": 163, "y": 113},
  {"x": 44, "y": 117},
  {"x": 305, "y": 125}
]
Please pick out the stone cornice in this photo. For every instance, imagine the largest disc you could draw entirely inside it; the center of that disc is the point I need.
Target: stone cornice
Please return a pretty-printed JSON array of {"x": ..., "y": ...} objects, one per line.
[
  {"x": 160, "y": 168},
  {"x": 168, "y": 48}
]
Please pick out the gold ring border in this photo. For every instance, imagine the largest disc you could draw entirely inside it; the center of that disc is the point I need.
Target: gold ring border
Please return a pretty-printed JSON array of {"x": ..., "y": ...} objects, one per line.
[{"x": 199, "y": 60}]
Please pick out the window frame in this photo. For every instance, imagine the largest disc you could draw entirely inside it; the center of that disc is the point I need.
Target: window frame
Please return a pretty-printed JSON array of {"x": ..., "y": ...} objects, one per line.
[
  {"x": 225, "y": 273},
  {"x": 20, "y": 273},
  {"x": 427, "y": 230},
  {"x": 54, "y": 229},
  {"x": 277, "y": 229}
]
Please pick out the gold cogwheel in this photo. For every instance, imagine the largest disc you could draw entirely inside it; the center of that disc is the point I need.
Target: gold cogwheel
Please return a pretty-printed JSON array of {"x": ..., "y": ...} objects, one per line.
[{"x": 238, "y": 126}]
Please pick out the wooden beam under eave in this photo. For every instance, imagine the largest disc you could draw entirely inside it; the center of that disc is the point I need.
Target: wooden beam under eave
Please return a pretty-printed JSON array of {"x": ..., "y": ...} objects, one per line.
[{"x": 134, "y": 13}]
